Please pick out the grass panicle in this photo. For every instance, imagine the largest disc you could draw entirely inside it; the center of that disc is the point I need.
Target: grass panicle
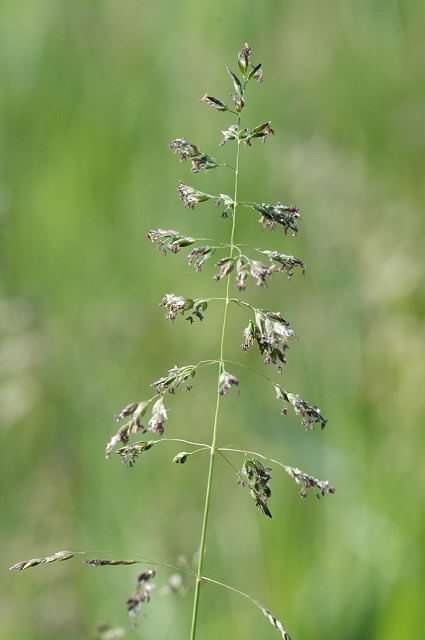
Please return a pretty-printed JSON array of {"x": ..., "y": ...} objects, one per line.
[{"x": 269, "y": 330}]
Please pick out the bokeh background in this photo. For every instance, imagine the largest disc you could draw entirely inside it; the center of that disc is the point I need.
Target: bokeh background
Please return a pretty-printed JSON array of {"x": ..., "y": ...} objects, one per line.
[{"x": 91, "y": 94}]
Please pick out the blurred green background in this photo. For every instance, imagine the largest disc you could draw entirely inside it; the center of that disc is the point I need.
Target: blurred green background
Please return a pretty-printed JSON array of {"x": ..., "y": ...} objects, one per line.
[{"x": 91, "y": 93}]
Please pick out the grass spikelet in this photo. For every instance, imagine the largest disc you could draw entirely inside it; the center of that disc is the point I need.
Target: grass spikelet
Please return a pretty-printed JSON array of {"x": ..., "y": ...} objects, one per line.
[{"x": 58, "y": 556}]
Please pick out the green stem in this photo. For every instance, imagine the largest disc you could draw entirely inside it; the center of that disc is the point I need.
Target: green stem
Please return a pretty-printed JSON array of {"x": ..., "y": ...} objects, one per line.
[
  {"x": 202, "y": 445},
  {"x": 233, "y": 589},
  {"x": 255, "y": 371},
  {"x": 213, "y": 450},
  {"x": 257, "y": 455}
]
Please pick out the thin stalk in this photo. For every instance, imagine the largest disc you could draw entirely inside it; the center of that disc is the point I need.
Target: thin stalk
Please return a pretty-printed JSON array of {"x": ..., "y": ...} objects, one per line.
[
  {"x": 256, "y": 454},
  {"x": 241, "y": 303},
  {"x": 226, "y": 459},
  {"x": 233, "y": 589},
  {"x": 202, "y": 445},
  {"x": 255, "y": 371},
  {"x": 275, "y": 622},
  {"x": 225, "y": 246},
  {"x": 213, "y": 450},
  {"x": 206, "y": 363},
  {"x": 191, "y": 453}
]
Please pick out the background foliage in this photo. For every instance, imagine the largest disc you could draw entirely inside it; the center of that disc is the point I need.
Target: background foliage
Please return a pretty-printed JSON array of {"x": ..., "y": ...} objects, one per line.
[{"x": 91, "y": 94}]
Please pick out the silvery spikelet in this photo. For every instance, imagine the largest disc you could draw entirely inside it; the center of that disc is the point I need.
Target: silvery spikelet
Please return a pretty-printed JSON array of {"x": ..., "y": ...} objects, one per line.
[
  {"x": 169, "y": 240},
  {"x": 58, "y": 556},
  {"x": 158, "y": 418},
  {"x": 226, "y": 382}
]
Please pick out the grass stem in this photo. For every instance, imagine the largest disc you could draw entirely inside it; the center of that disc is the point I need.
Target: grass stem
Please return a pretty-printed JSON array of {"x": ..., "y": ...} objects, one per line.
[{"x": 213, "y": 450}]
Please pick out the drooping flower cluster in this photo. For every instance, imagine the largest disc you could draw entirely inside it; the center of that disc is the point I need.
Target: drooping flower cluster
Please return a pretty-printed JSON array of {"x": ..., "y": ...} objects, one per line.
[
  {"x": 173, "y": 241},
  {"x": 175, "y": 305},
  {"x": 224, "y": 267},
  {"x": 309, "y": 413},
  {"x": 169, "y": 240},
  {"x": 256, "y": 477},
  {"x": 231, "y": 133},
  {"x": 308, "y": 482},
  {"x": 158, "y": 418},
  {"x": 135, "y": 411},
  {"x": 226, "y": 382},
  {"x": 131, "y": 453},
  {"x": 175, "y": 378},
  {"x": 260, "y": 272},
  {"x": 183, "y": 149},
  {"x": 142, "y": 594},
  {"x": 198, "y": 256},
  {"x": 192, "y": 197},
  {"x": 257, "y": 270},
  {"x": 282, "y": 262},
  {"x": 224, "y": 201},
  {"x": 245, "y": 135},
  {"x": 242, "y": 272},
  {"x": 272, "y": 333},
  {"x": 199, "y": 161},
  {"x": 278, "y": 214}
]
